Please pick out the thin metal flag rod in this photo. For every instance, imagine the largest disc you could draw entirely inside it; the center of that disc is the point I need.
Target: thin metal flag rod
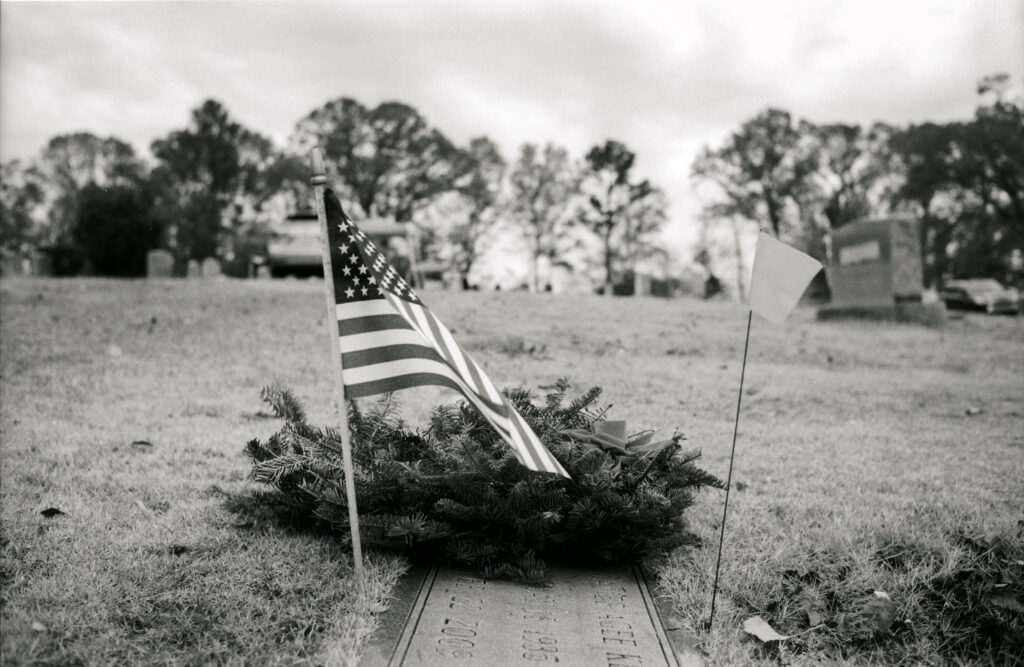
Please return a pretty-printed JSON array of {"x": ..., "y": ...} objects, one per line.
[
  {"x": 728, "y": 482},
  {"x": 319, "y": 181}
]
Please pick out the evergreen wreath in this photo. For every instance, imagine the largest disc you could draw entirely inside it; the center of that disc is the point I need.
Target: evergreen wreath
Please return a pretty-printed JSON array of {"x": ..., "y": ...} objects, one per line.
[{"x": 454, "y": 492}]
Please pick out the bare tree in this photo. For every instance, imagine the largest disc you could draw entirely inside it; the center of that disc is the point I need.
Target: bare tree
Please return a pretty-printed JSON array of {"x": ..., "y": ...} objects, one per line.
[{"x": 543, "y": 184}]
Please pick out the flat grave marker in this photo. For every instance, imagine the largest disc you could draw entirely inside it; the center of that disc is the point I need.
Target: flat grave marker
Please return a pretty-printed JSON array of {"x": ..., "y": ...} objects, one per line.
[{"x": 595, "y": 616}]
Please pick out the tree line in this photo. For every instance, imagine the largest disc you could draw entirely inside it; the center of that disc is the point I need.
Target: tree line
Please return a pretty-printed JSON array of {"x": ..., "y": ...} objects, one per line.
[
  {"x": 964, "y": 182},
  {"x": 214, "y": 187}
]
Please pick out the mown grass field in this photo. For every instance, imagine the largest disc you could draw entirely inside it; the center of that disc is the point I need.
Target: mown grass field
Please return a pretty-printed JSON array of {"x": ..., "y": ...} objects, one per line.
[{"x": 870, "y": 458}]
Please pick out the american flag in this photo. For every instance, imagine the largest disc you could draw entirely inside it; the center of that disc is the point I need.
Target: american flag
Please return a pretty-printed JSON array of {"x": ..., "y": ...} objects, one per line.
[{"x": 389, "y": 340}]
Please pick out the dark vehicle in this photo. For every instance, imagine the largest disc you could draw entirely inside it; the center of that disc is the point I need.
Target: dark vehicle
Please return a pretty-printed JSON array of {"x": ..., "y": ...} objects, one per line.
[
  {"x": 982, "y": 294},
  {"x": 294, "y": 246}
]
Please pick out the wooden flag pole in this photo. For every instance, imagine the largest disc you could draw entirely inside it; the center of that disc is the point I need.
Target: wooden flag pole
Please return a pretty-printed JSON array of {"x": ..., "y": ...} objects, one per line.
[
  {"x": 319, "y": 181},
  {"x": 728, "y": 481}
]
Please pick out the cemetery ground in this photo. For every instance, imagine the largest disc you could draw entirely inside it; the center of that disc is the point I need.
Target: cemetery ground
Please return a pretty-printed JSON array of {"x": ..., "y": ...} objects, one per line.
[{"x": 871, "y": 457}]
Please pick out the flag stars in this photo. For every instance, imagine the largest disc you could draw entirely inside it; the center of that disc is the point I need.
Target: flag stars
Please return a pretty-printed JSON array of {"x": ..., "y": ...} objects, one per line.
[
  {"x": 347, "y": 270},
  {"x": 363, "y": 269},
  {"x": 350, "y": 292},
  {"x": 364, "y": 290}
]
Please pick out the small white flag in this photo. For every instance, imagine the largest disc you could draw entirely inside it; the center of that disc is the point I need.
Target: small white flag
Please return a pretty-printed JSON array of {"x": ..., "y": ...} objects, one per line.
[{"x": 781, "y": 274}]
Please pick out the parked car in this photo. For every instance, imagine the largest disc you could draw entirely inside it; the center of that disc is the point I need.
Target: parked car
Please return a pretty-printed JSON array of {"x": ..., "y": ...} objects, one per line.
[
  {"x": 294, "y": 246},
  {"x": 984, "y": 294}
]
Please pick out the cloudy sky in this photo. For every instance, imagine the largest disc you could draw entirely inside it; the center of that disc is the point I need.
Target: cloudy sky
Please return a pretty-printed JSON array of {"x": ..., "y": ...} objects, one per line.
[{"x": 663, "y": 77}]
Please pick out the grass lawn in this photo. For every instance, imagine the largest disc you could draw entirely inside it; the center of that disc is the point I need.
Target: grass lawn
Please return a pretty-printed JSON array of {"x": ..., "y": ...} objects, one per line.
[{"x": 870, "y": 458}]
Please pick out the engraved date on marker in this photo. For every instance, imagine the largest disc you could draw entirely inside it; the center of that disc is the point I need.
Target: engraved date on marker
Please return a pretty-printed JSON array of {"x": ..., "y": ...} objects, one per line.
[
  {"x": 539, "y": 646},
  {"x": 458, "y": 638}
]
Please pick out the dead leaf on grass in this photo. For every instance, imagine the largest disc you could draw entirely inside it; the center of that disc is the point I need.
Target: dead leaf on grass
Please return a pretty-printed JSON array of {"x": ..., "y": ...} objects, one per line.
[
  {"x": 813, "y": 608},
  {"x": 51, "y": 512},
  {"x": 757, "y": 626},
  {"x": 1007, "y": 600},
  {"x": 38, "y": 627},
  {"x": 142, "y": 506},
  {"x": 982, "y": 543},
  {"x": 973, "y": 412},
  {"x": 141, "y": 443},
  {"x": 880, "y": 612}
]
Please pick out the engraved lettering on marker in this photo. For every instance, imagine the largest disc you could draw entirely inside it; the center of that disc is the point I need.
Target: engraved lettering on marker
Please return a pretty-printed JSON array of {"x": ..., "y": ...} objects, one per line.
[
  {"x": 623, "y": 660},
  {"x": 867, "y": 251},
  {"x": 539, "y": 642},
  {"x": 617, "y": 637}
]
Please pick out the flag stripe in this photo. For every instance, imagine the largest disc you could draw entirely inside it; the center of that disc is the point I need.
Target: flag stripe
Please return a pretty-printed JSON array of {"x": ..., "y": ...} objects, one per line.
[
  {"x": 524, "y": 442},
  {"x": 480, "y": 379},
  {"x": 397, "y": 382},
  {"x": 428, "y": 329},
  {"x": 450, "y": 348},
  {"x": 359, "y": 325},
  {"x": 534, "y": 444},
  {"x": 386, "y": 369},
  {"x": 364, "y": 308},
  {"x": 377, "y": 355},
  {"x": 365, "y": 341},
  {"x": 492, "y": 391}
]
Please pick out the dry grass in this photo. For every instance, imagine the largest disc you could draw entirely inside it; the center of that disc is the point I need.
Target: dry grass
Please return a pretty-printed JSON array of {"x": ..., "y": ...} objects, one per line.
[{"x": 859, "y": 467}]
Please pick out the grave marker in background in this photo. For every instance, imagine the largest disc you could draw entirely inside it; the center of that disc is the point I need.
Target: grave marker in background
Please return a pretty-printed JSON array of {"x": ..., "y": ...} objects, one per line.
[
  {"x": 159, "y": 264},
  {"x": 876, "y": 273},
  {"x": 211, "y": 268},
  {"x": 193, "y": 270}
]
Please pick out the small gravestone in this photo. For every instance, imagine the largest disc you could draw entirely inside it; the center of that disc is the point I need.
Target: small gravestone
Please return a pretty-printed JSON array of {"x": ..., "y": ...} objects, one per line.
[
  {"x": 641, "y": 284},
  {"x": 211, "y": 268},
  {"x": 598, "y": 616},
  {"x": 11, "y": 264},
  {"x": 876, "y": 273},
  {"x": 159, "y": 264},
  {"x": 193, "y": 270}
]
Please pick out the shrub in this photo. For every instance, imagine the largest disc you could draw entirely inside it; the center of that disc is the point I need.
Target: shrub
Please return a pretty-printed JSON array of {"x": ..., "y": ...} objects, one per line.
[
  {"x": 116, "y": 228},
  {"x": 455, "y": 493}
]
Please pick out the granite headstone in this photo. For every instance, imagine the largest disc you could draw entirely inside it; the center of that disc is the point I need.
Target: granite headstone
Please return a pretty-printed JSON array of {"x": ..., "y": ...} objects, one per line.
[{"x": 875, "y": 272}]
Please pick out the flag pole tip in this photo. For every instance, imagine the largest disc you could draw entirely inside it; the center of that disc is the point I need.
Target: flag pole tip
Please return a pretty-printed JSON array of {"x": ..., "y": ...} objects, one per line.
[{"x": 319, "y": 172}]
